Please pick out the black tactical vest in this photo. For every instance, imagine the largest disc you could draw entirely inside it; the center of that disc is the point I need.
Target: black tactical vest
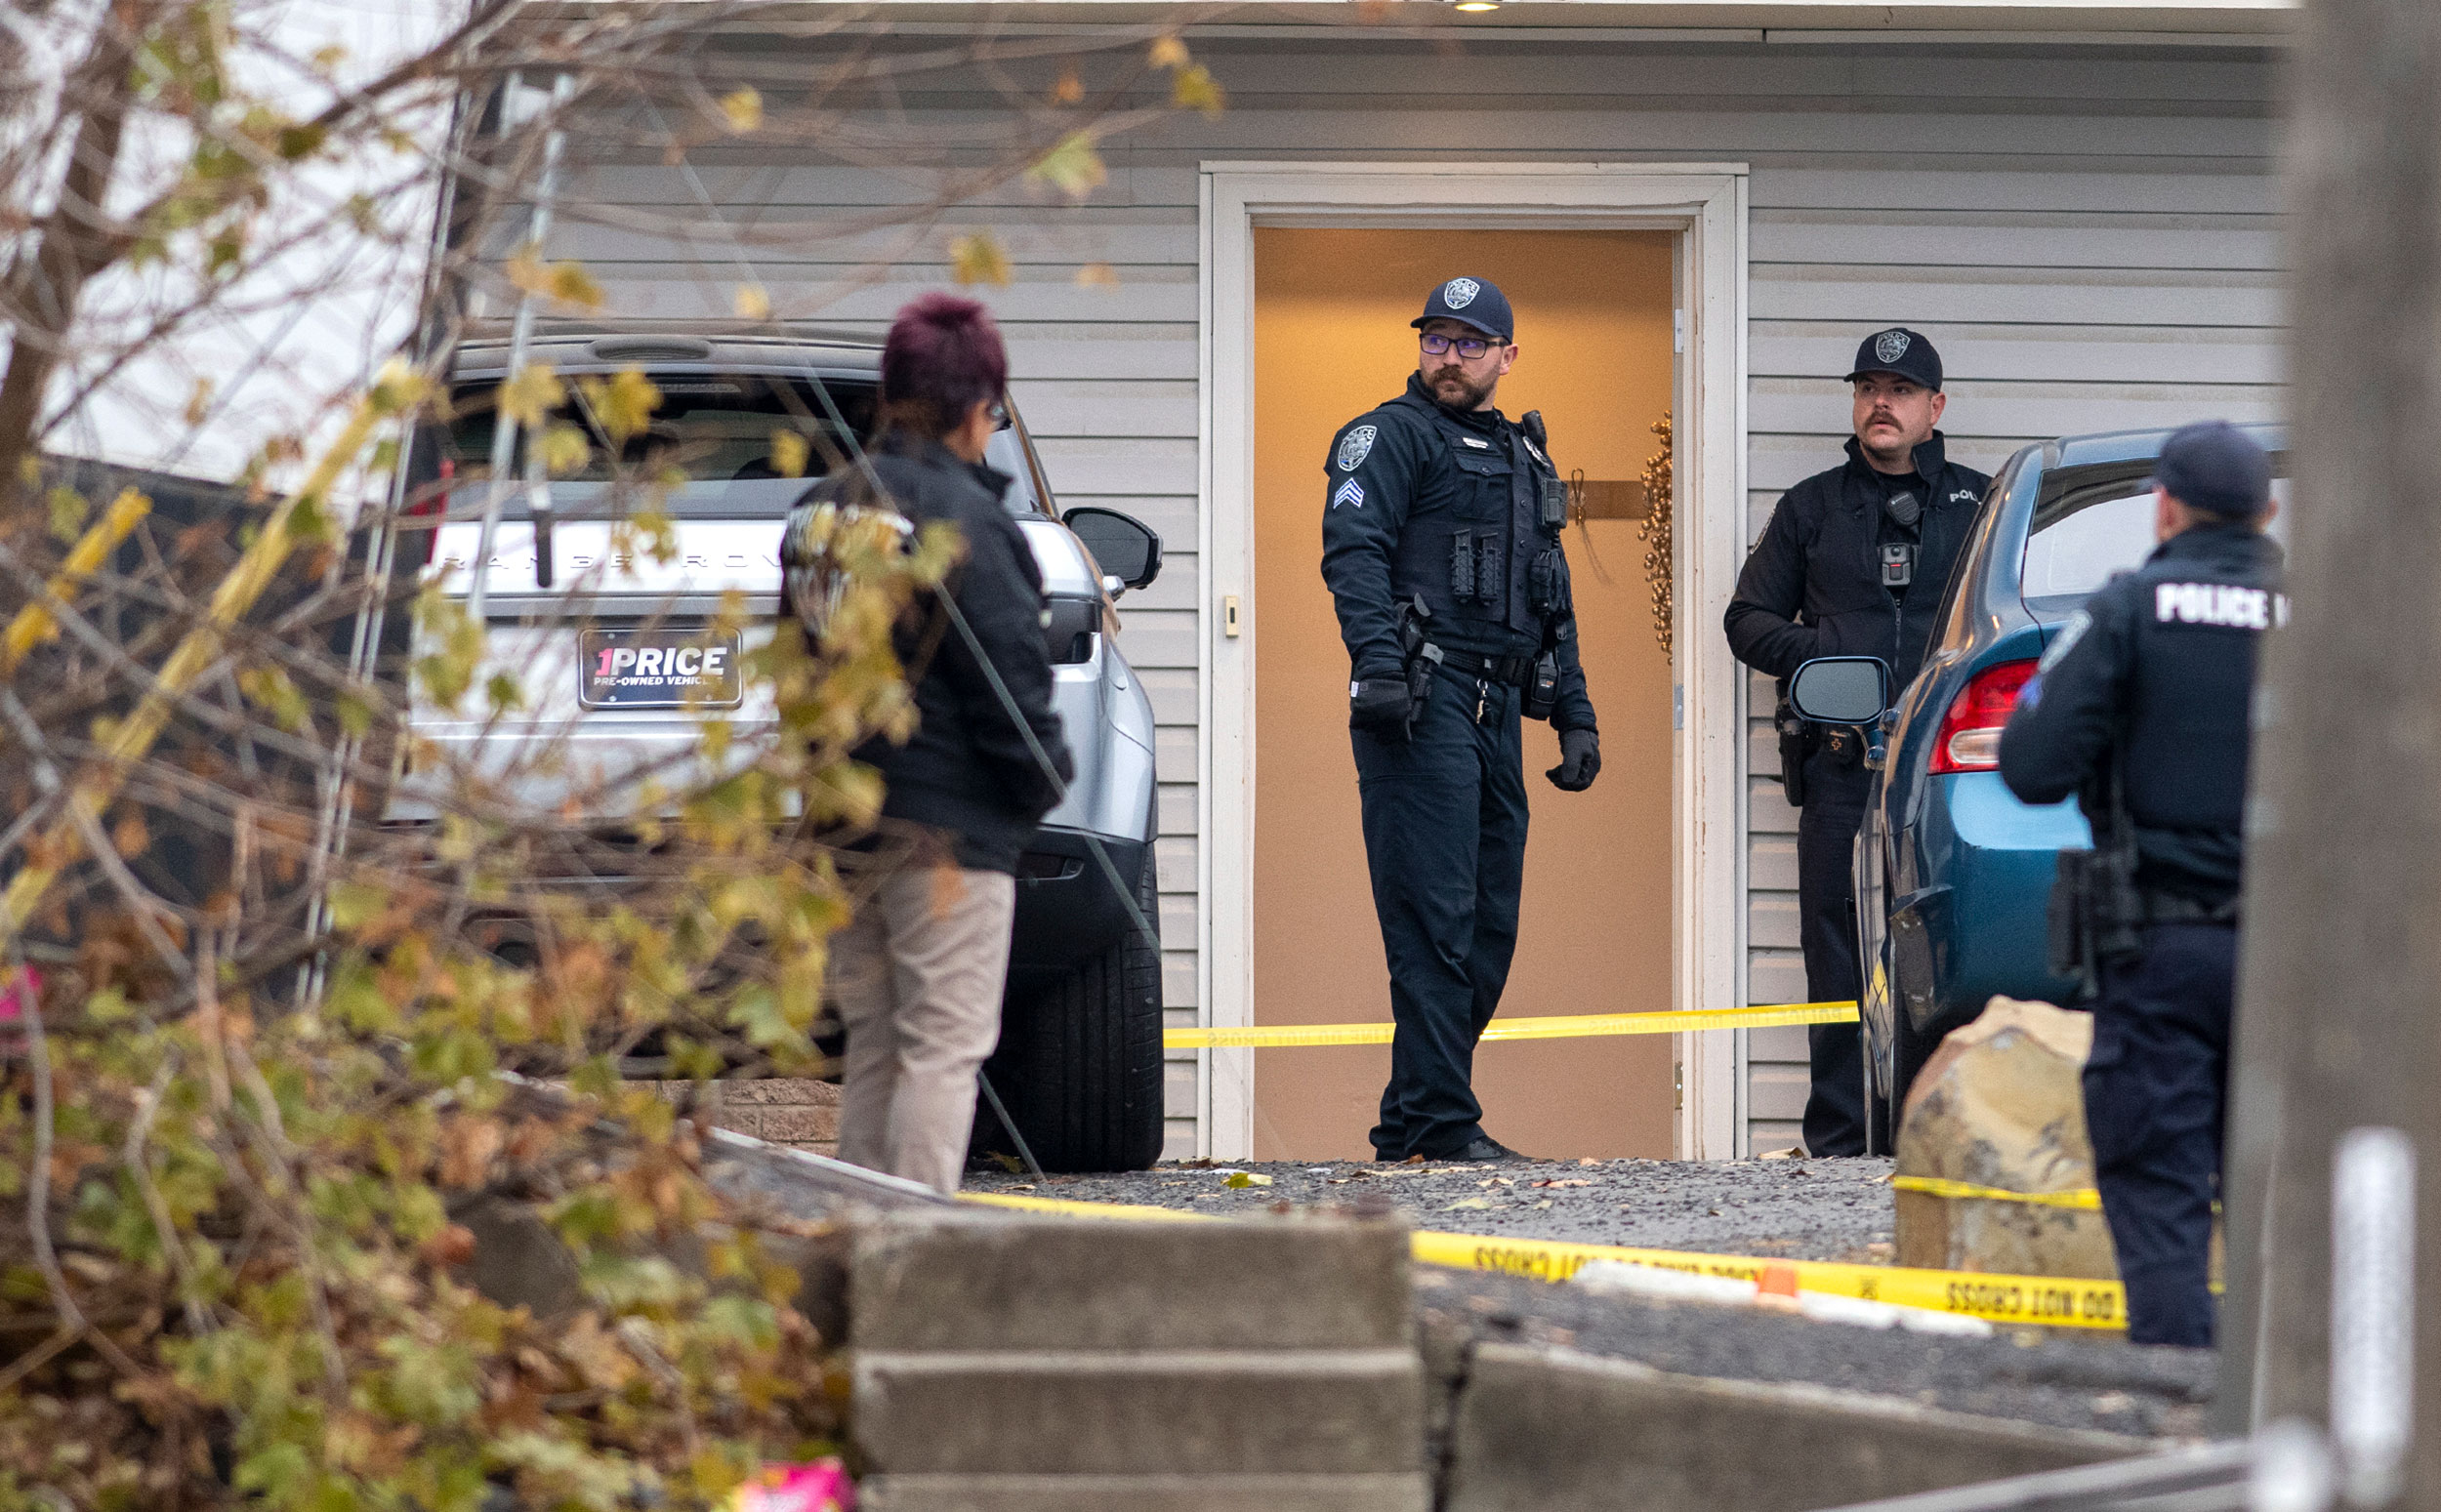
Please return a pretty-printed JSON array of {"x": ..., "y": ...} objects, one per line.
[{"x": 1483, "y": 554}]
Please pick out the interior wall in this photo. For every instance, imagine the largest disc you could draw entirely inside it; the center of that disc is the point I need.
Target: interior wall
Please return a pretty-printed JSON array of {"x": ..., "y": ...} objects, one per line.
[{"x": 1332, "y": 339}]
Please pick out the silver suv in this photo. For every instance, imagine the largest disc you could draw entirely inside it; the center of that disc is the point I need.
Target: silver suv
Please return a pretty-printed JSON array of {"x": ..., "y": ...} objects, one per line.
[{"x": 612, "y": 679}]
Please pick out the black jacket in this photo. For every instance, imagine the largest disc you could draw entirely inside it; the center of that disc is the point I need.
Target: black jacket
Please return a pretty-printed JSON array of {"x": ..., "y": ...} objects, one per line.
[
  {"x": 967, "y": 769},
  {"x": 1413, "y": 490},
  {"x": 1812, "y": 586},
  {"x": 2157, "y": 671}
]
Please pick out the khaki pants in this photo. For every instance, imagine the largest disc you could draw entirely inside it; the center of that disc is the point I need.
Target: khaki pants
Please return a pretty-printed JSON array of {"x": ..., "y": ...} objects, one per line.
[{"x": 916, "y": 977}]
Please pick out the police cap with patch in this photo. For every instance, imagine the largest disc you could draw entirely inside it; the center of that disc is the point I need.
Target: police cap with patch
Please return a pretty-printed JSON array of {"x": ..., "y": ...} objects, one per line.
[
  {"x": 1901, "y": 351},
  {"x": 2215, "y": 466},
  {"x": 1470, "y": 302}
]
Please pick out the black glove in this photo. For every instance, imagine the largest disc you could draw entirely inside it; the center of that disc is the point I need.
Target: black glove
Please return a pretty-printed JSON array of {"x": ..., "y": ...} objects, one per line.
[
  {"x": 1579, "y": 758},
  {"x": 1379, "y": 705}
]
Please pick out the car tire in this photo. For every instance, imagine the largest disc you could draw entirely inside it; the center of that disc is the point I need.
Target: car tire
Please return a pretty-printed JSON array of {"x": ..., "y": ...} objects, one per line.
[{"x": 1079, "y": 1063}]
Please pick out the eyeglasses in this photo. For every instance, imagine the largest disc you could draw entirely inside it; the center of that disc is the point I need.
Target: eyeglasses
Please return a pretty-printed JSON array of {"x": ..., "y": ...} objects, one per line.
[
  {"x": 1469, "y": 347},
  {"x": 999, "y": 413}
]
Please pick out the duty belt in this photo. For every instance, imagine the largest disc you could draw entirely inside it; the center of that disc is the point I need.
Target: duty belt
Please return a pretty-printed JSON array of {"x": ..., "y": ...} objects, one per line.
[
  {"x": 2168, "y": 907},
  {"x": 1515, "y": 671}
]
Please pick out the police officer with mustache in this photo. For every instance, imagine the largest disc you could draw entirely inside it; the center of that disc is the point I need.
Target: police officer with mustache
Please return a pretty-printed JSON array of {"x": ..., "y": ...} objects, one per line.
[
  {"x": 1440, "y": 543},
  {"x": 1853, "y": 564}
]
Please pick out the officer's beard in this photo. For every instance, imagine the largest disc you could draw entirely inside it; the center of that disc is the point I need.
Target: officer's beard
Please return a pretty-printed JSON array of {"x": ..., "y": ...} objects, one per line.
[{"x": 1453, "y": 390}]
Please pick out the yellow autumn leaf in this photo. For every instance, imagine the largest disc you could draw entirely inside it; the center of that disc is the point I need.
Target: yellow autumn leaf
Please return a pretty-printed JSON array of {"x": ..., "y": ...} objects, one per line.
[
  {"x": 1097, "y": 275},
  {"x": 1169, "y": 53},
  {"x": 744, "y": 108},
  {"x": 1074, "y": 167},
  {"x": 572, "y": 284},
  {"x": 531, "y": 395},
  {"x": 978, "y": 259},
  {"x": 564, "y": 450},
  {"x": 565, "y": 281},
  {"x": 623, "y": 404},
  {"x": 1195, "y": 89},
  {"x": 788, "y": 453},
  {"x": 752, "y": 302}
]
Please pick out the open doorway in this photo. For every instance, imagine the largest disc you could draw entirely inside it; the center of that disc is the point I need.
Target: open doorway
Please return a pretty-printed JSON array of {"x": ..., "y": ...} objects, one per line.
[{"x": 1331, "y": 339}]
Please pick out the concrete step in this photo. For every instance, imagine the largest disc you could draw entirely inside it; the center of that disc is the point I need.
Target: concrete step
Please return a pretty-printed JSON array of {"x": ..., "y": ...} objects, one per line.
[
  {"x": 1549, "y": 1430},
  {"x": 991, "y": 1282},
  {"x": 1168, "y": 1412},
  {"x": 1145, "y": 1493}
]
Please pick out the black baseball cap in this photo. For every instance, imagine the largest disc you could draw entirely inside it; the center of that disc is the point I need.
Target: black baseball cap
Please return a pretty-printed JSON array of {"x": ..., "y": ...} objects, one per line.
[
  {"x": 1470, "y": 302},
  {"x": 1901, "y": 351},
  {"x": 2215, "y": 466}
]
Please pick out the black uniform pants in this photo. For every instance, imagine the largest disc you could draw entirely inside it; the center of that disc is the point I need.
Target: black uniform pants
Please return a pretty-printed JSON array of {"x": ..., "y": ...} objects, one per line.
[
  {"x": 1826, "y": 900},
  {"x": 1446, "y": 832},
  {"x": 2156, "y": 1088}
]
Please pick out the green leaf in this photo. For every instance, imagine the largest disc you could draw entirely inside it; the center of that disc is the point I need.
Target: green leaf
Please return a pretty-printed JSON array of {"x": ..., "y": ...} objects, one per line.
[
  {"x": 353, "y": 905},
  {"x": 1074, "y": 167},
  {"x": 68, "y": 512}
]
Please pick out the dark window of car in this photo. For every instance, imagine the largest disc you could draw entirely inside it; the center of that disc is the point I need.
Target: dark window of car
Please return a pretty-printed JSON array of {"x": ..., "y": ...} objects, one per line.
[
  {"x": 715, "y": 431},
  {"x": 2093, "y": 523}
]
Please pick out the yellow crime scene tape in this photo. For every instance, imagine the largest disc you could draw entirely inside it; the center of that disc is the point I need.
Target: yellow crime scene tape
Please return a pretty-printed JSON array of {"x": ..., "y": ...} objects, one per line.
[
  {"x": 2084, "y": 1198},
  {"x": 1765, "y": 1016},
  {"x": 2054, "y": 1301}
]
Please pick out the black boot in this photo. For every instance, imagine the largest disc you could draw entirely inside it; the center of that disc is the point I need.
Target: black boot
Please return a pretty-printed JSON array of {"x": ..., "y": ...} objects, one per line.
[{"x": 1486, "y": 1149}]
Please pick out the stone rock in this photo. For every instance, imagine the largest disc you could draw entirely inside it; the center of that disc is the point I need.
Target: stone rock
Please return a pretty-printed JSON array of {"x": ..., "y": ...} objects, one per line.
[{"x": 2000, "y": 1105}]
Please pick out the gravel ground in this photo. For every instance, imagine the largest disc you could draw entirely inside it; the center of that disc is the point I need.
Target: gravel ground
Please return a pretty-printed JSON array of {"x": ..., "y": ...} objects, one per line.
[
  {"x": 1828, "y": 1210},
  {"x": 1824, "y": 1210}
]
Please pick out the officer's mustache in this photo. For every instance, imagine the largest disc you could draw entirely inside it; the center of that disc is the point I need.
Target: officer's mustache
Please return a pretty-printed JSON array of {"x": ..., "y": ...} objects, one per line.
[{"x": 1453, "y": 374}]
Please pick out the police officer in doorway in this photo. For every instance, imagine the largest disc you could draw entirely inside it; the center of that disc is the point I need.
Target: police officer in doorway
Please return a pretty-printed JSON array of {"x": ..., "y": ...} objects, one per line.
[
  {"x": 2140, "y": 706},
  {"x": 1853, "y": 564},
  {"x": 1440, "y": 543}
]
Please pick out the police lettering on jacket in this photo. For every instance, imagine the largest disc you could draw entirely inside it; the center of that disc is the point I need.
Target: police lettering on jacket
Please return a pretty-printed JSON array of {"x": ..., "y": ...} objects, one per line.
[
  {"x": 2155, "y": 675},
  {"x": 1421, "y": 503}
]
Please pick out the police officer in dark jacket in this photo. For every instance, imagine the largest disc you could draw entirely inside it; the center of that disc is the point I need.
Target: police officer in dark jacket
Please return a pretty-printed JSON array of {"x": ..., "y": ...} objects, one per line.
[
  {"x": 1853, "y": 564},
  {"x": 1440, "y": 543},
  {"x": 2140, "y": 707}
]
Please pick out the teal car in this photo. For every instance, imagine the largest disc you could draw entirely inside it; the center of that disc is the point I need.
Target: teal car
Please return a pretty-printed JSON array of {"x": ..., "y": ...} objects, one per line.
[{"x": 1953, "y": 873}]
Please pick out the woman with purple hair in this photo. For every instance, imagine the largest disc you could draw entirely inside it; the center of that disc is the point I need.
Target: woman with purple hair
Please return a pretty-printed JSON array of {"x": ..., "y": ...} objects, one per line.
[{"x": 918, "y": 974}]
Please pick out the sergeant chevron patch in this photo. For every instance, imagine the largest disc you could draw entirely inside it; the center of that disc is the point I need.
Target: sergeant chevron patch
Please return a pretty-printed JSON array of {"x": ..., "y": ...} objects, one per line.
[{"x": 1349, "y": 492}]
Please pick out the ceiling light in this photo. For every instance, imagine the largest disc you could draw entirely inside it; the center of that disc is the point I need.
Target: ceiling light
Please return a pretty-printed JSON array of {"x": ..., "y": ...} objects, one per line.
[{"x": 1477, "y": 6}]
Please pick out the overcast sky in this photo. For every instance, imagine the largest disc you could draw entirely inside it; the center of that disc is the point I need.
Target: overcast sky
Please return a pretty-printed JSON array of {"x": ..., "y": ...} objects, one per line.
[{"x": 305, "y": 330}]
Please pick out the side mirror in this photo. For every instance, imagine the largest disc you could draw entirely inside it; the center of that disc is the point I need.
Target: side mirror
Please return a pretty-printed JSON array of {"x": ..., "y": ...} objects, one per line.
[
  {"x": 1841, "y": 689},
  {"x": 1123, "y": 546}
]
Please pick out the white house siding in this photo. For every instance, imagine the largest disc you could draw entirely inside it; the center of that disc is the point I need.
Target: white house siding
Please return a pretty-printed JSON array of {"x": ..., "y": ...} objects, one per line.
[{"x": 2087, "y": 233}]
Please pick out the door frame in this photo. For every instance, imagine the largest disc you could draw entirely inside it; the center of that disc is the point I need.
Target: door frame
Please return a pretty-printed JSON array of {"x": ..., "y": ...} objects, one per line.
[{"x": 1706, "y": 205}]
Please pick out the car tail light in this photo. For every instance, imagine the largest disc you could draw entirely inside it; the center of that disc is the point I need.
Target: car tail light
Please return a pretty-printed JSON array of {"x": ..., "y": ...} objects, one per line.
[
  {"x": 1969, "y": 740},
  {"x": 435, "y": 502}
]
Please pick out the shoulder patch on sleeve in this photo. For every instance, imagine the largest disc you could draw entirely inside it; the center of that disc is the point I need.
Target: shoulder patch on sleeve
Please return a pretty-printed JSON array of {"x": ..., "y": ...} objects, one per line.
[
  {"x": 1349, "y": 492},
  {"x": 2069, "y": 635},
  {"x": 1355, "y": 446}
]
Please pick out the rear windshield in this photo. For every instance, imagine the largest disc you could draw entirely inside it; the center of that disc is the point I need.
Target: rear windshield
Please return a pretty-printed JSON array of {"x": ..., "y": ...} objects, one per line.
[
  {"x": 2093, "y": 523},
  {"x": 726, "y": 435}
]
